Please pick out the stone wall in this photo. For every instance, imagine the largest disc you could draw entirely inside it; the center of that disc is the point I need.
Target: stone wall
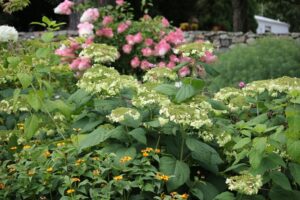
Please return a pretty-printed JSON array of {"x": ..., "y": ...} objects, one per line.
[
  {"x": 226, "y": 40},
  {"x": 221, "y": 40}
]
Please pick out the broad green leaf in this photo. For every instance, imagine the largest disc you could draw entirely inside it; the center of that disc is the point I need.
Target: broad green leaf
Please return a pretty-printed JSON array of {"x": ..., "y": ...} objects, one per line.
[
  {"x": 218, "y": 105},
  {"x": 98, "y": 136},
  {"x": 178, "y": 169},
  {"x": 209, "y": 190},
  {"x": 13, "y": 61},
  {"x": 25, "y": 79},
  {"x": 293, "y": 150},
  {"x": 198, "y": 84},
  {"x": 279, "y": 193},
  {"x": 293, "y": 117},
  {"x": 225, "y": 196},
  {"x": 260, "y": 128},
  {"x": 197, "y": 193},
  {"x": 241, "y": 143},
  {"x": 260, "y": 119},
  {"x": 31, "y": 126},
  {"x": 270, "y": 162},
  {"x": 34, "y": 100},
  {"x": 131, "y": 122},
  {"x": 60, "y": 105},
  {"x": 256, "y": 153},
  {"x": 139, "y": 134},
  {"x": 295, "y": 172},
  {"x": 16, "y": 96},
  {"x": 281, "y": 180},
  {"x": 47, "y": 37},
  {"x": 184, "y": 93},
  {"x": 80, "y": 97},
  {"x": 233, "y": 167},
  {"x": 207, "y": 156},
  {"x": 43, "y": 52},
  {"x": 167, "y": 89},
  {"x": 210, "y": 70}
]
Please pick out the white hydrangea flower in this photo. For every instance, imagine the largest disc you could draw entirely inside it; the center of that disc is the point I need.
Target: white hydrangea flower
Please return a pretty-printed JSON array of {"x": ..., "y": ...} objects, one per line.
[
  {"x": 245, "y": 184},
  {"x": 8, "y": 33},
  {"x": 119, "y": 114}
]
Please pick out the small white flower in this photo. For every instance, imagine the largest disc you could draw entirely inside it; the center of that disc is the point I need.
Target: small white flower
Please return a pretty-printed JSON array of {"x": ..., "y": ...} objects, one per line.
[{"x": 8, "y": 33}]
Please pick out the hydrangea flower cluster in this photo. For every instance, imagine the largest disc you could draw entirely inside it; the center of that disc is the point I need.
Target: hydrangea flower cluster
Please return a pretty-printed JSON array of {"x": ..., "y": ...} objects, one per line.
[
  {"x": 235, "y": 98},
  {"x": 188, "y": 114},
  {"x": 100, "y": 53},
  {"x": 245, "y": 183},
  {"x": 90, "y": 53},
  {"x": 119, "y": 114},
  {"x": 105, "y": 81},
  {"x": 9, "y": 106},
  {"x": 8, "y": 34},
  {"x": 148, "y": 97},
  {"x": 160, "y": 74}
]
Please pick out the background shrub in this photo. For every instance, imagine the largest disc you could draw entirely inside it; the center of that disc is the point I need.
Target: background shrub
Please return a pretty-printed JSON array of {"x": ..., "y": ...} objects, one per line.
[{"x": 267, "y": 58}]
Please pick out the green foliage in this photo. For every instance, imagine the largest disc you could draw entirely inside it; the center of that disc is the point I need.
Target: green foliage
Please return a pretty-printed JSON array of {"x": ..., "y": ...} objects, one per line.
[
  {"x": 267, "y": 58},
  {"x": 11, "y": 6}
]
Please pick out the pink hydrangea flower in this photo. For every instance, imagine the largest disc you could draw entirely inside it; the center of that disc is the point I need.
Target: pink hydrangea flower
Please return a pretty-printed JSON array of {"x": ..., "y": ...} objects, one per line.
[
  {"x": 85, "y": 29},
  {"x": 208, "y": 57},
  {"x": 165, "y": 22},
  {"x": 74, "y": 64},
  {"x": 64, "y": 8},
  {"x": 105, "y": 32},
  {"x": 174, "y": 58},
  {"x": 184, "y": 71},
  {"x": 135, "y": 62},
  {"x": 65, "y": 51},
  {"x": 171, "y": 65},
  {"x": 175, "y": 37},
  {"x": 130, "y": 39},
  {"x": 242, "y": 84},
  {"x": 119, "y": 2},
  {"x": 84, "y": 63},
  {"x": 162, "y": 48},
  {"x": 146, "y": 65},
  {"x": 74, "y": 45},
  {"x": 185, "y": 59},
  {"x": 87, "y": 42},
  {"x": 148, "y": 42},
  {"x": 146, "y": 52},
  {"x": 138, "y": 38},
  {"x": 107, "y": 20},
  {"x": 90, "y": 15},
  {"x": 161, "y": 64},
  {"x": 127, "y": 48},
  {"x": 122, "y": 27}
]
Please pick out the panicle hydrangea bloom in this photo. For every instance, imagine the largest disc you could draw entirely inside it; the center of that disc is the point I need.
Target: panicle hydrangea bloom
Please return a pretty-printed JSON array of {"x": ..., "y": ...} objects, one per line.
[
  {"x": 135, "y": 62},
  {"x": 160, "y": 74},
  {"x": 105, "y": 32},
  {"x": 123, "y": 26},
  {"x": 90, "y": 15},
  {"x": 199, "y": 48},
  {"x": 194, "y": 114},
  {"x": 8, "y": 33},
  {"x": 64, "y": 8},
  {"x": 105, "y": 81},
  {"x": 245, "y": 183},
  {"x": 100, "y": 53},
  {"x": 148, "y": 97},
  {"x": 119, "y": 114},
  {"x": 85, "y": 29},
  {"x": 235, "y": 98}
]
